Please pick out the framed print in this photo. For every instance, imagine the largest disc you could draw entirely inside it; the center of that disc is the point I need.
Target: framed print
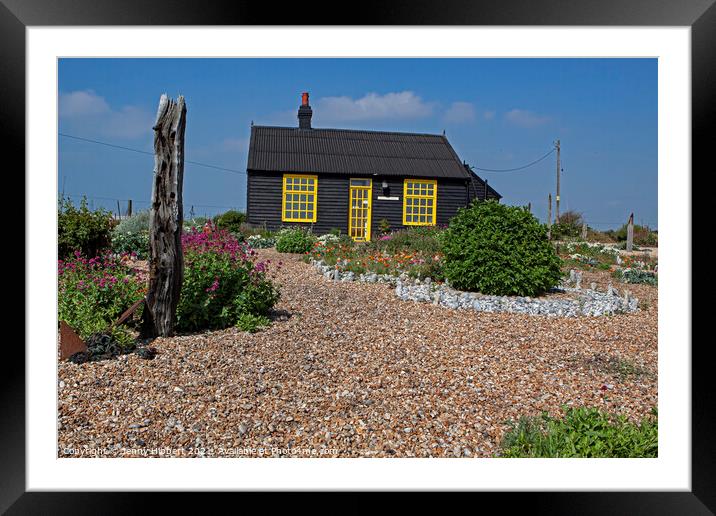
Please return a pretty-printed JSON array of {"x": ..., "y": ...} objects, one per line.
[{"x": 413, "y": 250}]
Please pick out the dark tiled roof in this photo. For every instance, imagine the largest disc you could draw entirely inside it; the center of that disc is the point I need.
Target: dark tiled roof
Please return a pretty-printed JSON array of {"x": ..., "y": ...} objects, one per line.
[
  {"x": 479, "y": 185},
  {"x": 351, "y": 152}
]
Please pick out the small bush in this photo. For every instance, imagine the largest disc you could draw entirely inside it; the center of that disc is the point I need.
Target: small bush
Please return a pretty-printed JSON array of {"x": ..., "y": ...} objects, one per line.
[
  {"x": 81, "y": 229},
  {"x": 569, "y": 226},
  {"x": 230, "y": 220},
  {"x": 583, "y": 432},
  {"x": 500, "y": 250},
  {"x": 221, "y": 282},
  {"x": 132, "y": 235},
  {"x": 252, "y": 323},
  {"x": 93, "y": 293},
  {"x": 294, "y": 240}
]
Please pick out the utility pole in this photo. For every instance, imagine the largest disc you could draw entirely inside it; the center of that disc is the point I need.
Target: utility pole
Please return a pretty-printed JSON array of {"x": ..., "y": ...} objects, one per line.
[
  {"x": 549, "y": 219},
  {"x": 559, "y": 166}
]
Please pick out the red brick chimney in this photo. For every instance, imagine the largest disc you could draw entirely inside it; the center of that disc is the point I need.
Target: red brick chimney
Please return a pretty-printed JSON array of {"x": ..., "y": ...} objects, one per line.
[{"x": 305, "y": 113}]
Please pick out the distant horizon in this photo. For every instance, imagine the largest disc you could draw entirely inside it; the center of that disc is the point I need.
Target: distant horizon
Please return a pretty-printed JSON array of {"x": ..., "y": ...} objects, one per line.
[{"x": 496, "y": 113}]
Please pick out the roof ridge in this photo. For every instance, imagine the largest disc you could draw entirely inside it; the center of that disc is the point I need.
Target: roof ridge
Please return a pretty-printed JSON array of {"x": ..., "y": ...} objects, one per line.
[{"x": 317, "y": 129}]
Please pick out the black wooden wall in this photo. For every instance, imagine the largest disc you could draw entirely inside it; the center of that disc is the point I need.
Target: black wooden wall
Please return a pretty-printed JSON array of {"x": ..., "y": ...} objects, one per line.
[{"x": 264, "y": 201}]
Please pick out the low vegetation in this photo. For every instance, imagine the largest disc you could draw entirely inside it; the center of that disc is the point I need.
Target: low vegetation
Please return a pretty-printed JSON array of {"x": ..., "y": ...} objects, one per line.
[
  {"x": 231, "y": 220},
  {"x": 93, "y": 293},
  {"x": 81, "y": 229},
  {"x": 223, "y": 285},
  {"x": 131, "y": 235},
  {"x": 582, "y": 432},
  {"x": 294, "y": 240}
]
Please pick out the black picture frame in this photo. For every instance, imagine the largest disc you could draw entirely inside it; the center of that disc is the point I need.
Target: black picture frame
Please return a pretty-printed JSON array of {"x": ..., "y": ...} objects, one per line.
[{"x": 700, "y": 15}]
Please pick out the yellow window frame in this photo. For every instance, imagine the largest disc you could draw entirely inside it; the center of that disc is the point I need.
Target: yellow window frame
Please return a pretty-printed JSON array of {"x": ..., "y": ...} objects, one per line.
[
  {"x": 292, "y": 184},
  {"x": 409, "y": 192}
]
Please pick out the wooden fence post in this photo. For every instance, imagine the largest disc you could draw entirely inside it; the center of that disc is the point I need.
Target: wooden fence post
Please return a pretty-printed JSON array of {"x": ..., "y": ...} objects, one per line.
[
  {"x": 166, "y": 215},
  {"x": 630, "y": 233},
  {"x": 129, "y": 208},
  {"x": 584, "y": 231}
]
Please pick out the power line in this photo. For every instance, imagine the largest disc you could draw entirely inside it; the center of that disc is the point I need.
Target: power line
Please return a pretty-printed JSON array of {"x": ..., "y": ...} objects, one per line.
[
  {"x": 139, "y": 151},
  {"x": 516, "y": 168},
  {"x": 77, "y": 196}
]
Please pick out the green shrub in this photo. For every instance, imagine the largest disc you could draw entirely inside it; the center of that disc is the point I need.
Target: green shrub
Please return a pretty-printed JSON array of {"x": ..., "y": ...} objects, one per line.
[
  {"x": 221, "y": 282},
  {"x": 252, "y": 323},
  {"x": 81, "y": 229},
  {"x": 501, "y": 250},
  {"x": 93, "y": 293},
  {"x": 583, "y": 432},
  {"x": 231, "y": 221},
  {"x": 569, "y": 226},
  {"x": 135, "y": 224},
  {"x": 132, "y": 235},
  {"x": 294, "y": 240}
]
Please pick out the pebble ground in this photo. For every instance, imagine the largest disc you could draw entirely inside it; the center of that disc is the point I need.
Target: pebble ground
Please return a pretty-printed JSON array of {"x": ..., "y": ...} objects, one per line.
[{"x": 349, "y": 370}]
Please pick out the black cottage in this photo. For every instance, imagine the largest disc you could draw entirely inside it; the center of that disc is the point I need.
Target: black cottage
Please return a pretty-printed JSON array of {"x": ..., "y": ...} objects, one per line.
[{"x": 351, "y": 179}]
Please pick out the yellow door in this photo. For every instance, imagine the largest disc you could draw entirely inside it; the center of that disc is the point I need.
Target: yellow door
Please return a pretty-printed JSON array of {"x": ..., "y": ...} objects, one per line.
[{"x": 360, "y": 208}]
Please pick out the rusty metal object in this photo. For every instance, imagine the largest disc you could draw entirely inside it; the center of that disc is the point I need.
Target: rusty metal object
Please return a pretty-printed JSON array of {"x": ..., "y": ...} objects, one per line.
[
  {"x": 70, "y": 342},
  {"x": 128, "y": 313}
]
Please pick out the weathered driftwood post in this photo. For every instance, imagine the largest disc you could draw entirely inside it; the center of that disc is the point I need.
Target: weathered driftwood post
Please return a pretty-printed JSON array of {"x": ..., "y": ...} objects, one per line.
[
  {"x": 630, "y": 233},
  {"x": 166, "y": 261},
  {"x": 584, "y": 231},
  {"x": 549, "y": 219}
]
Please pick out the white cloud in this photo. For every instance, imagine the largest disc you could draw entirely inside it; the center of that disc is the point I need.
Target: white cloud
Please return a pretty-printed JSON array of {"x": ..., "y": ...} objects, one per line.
[
  {"x": 460, "y": 112},
  {"x": 372, "y": 106},
  {"x": 87, "y": 113},
  {"x": 524, "y": 118},
  {"x": 488, "y": 115},
  {"x": 82, "y": 103}
]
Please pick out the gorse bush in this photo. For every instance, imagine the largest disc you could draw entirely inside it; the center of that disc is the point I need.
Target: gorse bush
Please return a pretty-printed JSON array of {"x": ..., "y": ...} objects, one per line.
[
  {"x": 93, "y": 293},
  {"x": 221, "y": 282},
  {"x": 294, "y": 240},
  {"x": 231, "y": 221},
  {"x": 132, "y": 235},
  {"x": 583, "y": 432},
  {"x": 500, "y": 250},
  {"x": 81, "y": 229}
]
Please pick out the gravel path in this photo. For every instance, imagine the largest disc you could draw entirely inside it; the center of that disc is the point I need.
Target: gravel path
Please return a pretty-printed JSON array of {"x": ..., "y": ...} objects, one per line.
[{"x": 347, "y": 369}]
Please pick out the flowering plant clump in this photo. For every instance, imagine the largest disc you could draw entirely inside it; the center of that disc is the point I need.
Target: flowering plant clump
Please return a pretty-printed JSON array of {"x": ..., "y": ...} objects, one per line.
[
  {"x": 360, "y": 259},
  {"x": 94, "y": 292},
  {"x": 222, "y": 281}
]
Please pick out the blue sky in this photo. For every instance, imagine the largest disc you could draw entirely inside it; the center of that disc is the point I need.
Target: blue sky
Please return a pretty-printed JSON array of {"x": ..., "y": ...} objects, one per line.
[{"x": 497, "y": 113}]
